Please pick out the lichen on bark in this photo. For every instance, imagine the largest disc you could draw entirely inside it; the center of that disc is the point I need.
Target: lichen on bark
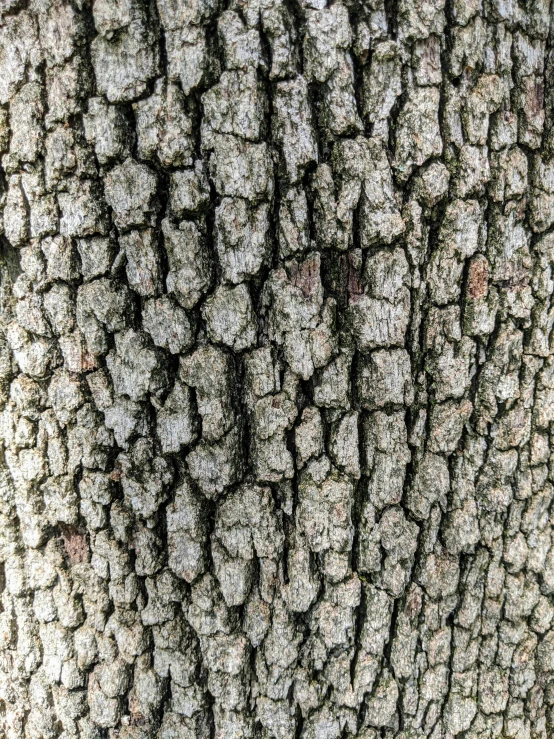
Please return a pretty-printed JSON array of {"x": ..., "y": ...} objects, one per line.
[{"x": 276, "y": 369}]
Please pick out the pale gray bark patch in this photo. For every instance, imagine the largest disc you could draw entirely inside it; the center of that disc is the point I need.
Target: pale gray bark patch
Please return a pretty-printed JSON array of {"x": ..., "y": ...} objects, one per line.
[{"x": 276, "y": 369}]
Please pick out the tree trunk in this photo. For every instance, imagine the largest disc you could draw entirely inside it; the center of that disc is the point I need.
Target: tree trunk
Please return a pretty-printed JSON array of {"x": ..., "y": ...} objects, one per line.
[{"x": 277, "y": 369}]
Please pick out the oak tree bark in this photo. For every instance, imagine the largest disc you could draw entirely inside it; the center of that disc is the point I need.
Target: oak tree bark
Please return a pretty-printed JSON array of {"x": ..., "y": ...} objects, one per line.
[{"x": 276, "y": 369}]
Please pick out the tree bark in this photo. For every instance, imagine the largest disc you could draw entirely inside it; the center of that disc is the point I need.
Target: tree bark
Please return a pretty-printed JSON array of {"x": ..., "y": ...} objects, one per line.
[{"x": 277, "y": 375}]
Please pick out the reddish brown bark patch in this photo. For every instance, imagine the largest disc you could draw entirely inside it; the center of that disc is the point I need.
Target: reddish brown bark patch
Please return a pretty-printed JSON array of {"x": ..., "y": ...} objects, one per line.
[
  {"x": 115, "y": 474},
  {"x": 535, "y": 97},
  {"x": 89, "y": 362},
  {"x": 413, "y": 602},
  {"x": 306, "y": 276},
  {"x": 355, "y": 288},
  {"x": 478, "y": 278},
  {"x": 76, "y": 544},
  {"x": 137, "y": 718}
]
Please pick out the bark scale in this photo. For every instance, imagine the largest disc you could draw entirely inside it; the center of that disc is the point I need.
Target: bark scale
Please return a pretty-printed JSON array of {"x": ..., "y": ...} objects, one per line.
[{"x": 276, "y": 369}]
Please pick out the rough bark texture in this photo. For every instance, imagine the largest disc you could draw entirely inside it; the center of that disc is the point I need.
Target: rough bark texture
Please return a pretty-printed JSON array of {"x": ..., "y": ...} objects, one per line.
[{"x": 277, "y": 369}]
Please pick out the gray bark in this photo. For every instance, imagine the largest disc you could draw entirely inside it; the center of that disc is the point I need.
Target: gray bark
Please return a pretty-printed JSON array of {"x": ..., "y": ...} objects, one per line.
[{"x": 276, "y": 369}]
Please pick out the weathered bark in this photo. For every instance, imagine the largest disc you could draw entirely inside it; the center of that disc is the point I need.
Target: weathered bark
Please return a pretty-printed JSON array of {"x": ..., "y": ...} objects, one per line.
[{"x": 277, "y": 369}]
